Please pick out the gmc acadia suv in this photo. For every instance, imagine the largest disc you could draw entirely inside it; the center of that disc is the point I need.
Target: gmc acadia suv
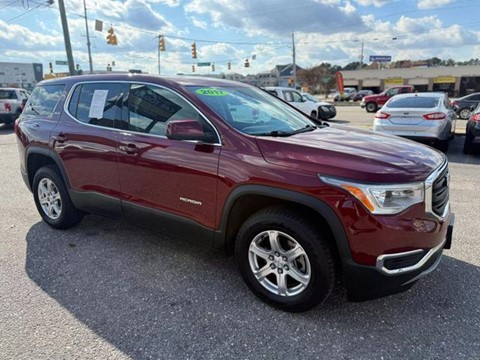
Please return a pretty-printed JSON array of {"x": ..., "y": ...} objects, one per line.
[{"x": 299, "y": 203}]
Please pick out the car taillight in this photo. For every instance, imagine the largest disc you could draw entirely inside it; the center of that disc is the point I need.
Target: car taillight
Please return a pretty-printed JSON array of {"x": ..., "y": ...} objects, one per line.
[
  {"x": 435, "y": 116},
  {"x": 8, "y": 107},
  {"x": 476, "y": 118},
  {"x": 382, "y": 115}
]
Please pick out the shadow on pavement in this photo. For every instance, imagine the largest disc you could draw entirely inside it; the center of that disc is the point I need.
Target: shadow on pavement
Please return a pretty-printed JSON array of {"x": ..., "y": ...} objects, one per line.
[
  {"x": 6, "y": 130},
  {"x": 455, "y": 153},
  {"x": 158, "y": 297}
]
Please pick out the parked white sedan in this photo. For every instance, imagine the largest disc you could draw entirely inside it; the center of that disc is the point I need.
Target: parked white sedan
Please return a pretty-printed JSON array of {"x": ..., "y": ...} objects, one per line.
[{"x": 420, "y": 116}]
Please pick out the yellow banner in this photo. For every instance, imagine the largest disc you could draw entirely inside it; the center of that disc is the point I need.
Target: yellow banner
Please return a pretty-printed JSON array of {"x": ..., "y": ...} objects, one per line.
[
  {"x": 394, "y": 81},
  {"x": 444, "y": 80}
]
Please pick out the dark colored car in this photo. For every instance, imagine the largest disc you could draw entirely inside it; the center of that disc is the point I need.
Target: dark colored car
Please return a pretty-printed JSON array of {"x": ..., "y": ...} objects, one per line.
[
  {"x": 300, "y": 204},
  {"x": 361, "y": 94},
  {"x": 463, "y": 106},
  {"x": 472, "y": 134}
]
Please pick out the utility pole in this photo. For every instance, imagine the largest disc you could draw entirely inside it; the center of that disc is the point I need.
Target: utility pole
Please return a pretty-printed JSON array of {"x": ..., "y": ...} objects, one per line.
[
  {"x": 361, "y": 57},
  {"x": 158, "y": 55},
  {"x": 294, "y": 71},
  {"x": 88, "y": 39},
  {"x": 66, "y": 37}
]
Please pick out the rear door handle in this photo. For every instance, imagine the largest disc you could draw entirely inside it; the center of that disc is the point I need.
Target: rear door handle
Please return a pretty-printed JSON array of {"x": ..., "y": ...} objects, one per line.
[
  {"x": 128, "y": 148},
  {"x": 59, "y": 138}
]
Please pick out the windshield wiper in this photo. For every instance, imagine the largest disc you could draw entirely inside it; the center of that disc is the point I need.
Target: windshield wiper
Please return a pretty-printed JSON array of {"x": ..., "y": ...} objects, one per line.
[
  {"x": 33, "y": 109},
  {"x": 280, "y": 133}
]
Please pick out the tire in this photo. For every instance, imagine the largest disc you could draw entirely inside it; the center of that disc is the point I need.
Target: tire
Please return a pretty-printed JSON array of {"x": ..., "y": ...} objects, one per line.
[
  {"x": 313, "y": 114},
  {"x": 371, "y": 107},
  {"x": 443, "y": 145},
  {"x": 313, "y": 262},
  {"x": 52, "y": 199},
  {"x": 464, "y": 113},
  {"x": 468, "y": 147}
]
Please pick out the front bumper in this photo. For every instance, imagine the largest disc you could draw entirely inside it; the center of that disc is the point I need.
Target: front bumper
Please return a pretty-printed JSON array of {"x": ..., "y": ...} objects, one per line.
[{"x": 387, "y": 278}]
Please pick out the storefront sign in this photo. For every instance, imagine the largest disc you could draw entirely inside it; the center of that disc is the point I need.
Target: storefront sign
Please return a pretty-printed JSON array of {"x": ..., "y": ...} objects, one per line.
[
  {"x": 444, "y": 80},
  {"x": 394, "y": 81}
]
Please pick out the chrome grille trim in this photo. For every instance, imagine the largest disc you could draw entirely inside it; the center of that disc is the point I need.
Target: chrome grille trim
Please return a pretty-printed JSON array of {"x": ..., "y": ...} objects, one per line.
[{"x": 429, "y": 195}]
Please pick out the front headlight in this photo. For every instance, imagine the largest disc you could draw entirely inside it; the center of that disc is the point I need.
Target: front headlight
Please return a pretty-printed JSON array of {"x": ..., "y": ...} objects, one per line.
[{"x": 382, "y": 199}]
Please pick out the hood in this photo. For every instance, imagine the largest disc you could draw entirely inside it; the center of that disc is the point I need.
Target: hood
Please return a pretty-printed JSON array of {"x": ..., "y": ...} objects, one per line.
[
  {"x": 350, "y": 153},
  {"x": 371, "y": 97},
  {"x": 323, "y": 103}
]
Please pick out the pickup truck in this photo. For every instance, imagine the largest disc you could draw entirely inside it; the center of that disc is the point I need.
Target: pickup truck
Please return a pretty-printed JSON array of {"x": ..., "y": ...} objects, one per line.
[
  {"x": 12, "y": 101},
  {"x": 374, "y": 102}
]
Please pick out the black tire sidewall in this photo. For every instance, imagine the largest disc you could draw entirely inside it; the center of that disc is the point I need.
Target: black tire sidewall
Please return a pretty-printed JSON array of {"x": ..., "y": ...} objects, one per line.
[
  {"x": 321, "y": 262},
  {"x": 371, "y": 107}
]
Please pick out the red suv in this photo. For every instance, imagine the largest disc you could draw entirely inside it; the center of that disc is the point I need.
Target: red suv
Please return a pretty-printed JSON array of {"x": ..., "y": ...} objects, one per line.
[
  {"x": 374, "y": 102},
  {"x": 299, "y": 203}
]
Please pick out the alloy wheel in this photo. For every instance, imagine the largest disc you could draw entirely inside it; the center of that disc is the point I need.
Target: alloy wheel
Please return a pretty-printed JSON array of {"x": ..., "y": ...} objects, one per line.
[
  {"x": 279, "y": 263},
  {"x": 49, "y": 198}
]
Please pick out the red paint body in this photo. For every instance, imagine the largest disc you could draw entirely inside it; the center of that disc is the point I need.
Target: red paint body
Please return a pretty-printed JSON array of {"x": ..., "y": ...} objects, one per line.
[
  {"x": 161, "y": 171},
  {"x": 382, "y": 98}
]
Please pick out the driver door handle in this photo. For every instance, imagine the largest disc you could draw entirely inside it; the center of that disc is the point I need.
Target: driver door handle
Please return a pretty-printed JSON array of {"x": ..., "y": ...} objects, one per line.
[{"x": 128, "y": 148}]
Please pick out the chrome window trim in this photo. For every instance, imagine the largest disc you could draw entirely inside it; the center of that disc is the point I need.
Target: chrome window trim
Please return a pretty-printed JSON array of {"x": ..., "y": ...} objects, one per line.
[
  {"x": 72, "y": 89},
  {"x": 381, "y": 260},
  {"x": 428, "y": 192}
]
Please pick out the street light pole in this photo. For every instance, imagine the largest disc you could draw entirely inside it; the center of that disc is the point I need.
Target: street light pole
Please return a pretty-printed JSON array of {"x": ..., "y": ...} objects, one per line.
[
  {"x": 294, "y": 71},
  {"x": 88, "y": 39},
  {"x": 66, "y": 37}
]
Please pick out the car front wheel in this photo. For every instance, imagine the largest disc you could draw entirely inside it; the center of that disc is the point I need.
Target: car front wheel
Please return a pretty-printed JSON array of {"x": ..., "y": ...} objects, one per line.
[
  {"x": 285, "y": 259},
  {"x": 52, "y": 199},
  {"x": 371, "y": 107}
]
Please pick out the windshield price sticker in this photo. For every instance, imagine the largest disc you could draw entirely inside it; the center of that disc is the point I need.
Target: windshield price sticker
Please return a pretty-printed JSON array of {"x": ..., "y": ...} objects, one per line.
[{"x": 211, "y": 92}]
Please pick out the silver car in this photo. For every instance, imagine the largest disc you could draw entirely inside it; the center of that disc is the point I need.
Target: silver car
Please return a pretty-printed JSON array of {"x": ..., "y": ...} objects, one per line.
[{"x": 420, "y": 116}]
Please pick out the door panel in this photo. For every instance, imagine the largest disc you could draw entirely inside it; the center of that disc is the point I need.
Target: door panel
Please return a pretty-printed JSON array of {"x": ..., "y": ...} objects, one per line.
[
  {"x": 88, "y": 145},
  {"x": 178, "y": 177}
]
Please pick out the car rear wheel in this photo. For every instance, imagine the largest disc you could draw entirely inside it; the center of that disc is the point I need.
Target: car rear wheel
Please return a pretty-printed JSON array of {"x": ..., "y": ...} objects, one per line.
[
  {"x": 52, "y": 199},
  {"x": 285, "y": 260},
  {"x": 371, "y": 107},
  {"x": 465, "y": 114}
]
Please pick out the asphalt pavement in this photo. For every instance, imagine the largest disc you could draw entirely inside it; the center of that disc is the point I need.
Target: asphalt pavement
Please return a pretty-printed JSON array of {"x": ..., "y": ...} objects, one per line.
[{"x": 109, "y": 290}]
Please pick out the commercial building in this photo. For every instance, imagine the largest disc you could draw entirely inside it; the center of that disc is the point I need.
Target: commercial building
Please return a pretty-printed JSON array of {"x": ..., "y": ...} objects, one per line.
[
  {"x": 22, "y": 75},
  {"x": 455, "y": 80}
]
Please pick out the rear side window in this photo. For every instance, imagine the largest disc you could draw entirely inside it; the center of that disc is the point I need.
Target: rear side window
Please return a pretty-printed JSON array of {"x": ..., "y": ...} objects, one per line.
[
  {"x": 414, "y": 102},
  {"x": 97, "y": 103},
  {"x": 43, "y": 100},
  {"x": 8, "y": 95}
]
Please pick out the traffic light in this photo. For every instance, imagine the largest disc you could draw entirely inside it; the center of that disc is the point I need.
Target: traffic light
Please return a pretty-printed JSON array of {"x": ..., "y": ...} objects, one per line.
[
  {"x": 111, "y": 37},
  {"x": 229, "y": 66},
  {"x": 194, "y": 51},
  {"x": 161, "y": 43},
  {"x": 50, "y": 65},
  {"x": 213, "y": 67},
  {"x": 193, "y": 68},
  {"x": 247, "y": 64}
]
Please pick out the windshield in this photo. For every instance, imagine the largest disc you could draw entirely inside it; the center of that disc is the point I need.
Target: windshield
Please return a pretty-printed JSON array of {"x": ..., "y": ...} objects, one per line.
[
  {"x": 310, "y": 97},
  {"x": 253, "y": 111},
  {"x": 414, "y": 102}
]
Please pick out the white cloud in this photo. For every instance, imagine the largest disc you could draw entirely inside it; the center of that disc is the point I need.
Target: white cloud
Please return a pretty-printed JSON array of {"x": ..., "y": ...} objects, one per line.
[
  {"x": 376, "y": 3},
  {"x": 433, "y": 4}
]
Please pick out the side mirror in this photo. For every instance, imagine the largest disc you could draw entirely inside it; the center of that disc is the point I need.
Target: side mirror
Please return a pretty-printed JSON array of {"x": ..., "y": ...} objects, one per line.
[
  {"x": 184, "y": 130},
  {"x": 472, "y": 108},
  {"x": 304, "y": 99}
]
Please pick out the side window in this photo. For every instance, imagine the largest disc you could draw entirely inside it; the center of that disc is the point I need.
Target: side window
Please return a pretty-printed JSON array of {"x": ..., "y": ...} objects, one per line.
[
  {"x": 296, "y": 97},
  {"x": 405, "y": 90},
  {"x": 287, "y": 95},
  {"x": 475, "y": 97},
  {"x": 393, "y": 92},
  {"x": 97, "y": 103},
  {"x": 43, "y": 100},
  {"x": 150, "y": 108}
]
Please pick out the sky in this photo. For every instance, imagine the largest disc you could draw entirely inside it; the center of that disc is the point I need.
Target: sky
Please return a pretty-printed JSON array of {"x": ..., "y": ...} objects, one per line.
[{"x": 232, "y": 31}]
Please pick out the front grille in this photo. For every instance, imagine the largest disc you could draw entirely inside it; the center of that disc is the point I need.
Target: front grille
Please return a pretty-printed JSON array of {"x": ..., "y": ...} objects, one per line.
[
  {"x": 440, "y": 192},
  {"x": 403, "y": 261}
]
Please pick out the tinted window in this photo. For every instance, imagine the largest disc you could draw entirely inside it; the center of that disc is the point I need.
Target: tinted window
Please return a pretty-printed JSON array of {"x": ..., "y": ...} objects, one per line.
[
  {"x": 97, "y": 103},
  {"x": 474, "y": 97},
  {"x": 150, "y": 108},
  {"x": 405, "y": 90},
  {"x": 8, "y": 95},
  {"x": 393, "y": 92},
  {"x": 43, "y": 100},
  {"x": 414, "y": 102}
]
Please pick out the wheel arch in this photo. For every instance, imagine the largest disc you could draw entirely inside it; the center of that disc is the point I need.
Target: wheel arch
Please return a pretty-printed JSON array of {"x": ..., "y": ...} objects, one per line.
[
  {"x": 37, "y": 157},
  {"x": 245, "y": 200}
]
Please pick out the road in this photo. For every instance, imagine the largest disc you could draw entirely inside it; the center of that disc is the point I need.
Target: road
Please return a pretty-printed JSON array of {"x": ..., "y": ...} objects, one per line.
[{"x": 108, "y": 290}]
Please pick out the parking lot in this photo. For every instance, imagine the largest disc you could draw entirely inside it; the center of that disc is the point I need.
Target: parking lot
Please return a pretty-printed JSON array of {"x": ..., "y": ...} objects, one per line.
[{"x": 106, "y": 289}]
